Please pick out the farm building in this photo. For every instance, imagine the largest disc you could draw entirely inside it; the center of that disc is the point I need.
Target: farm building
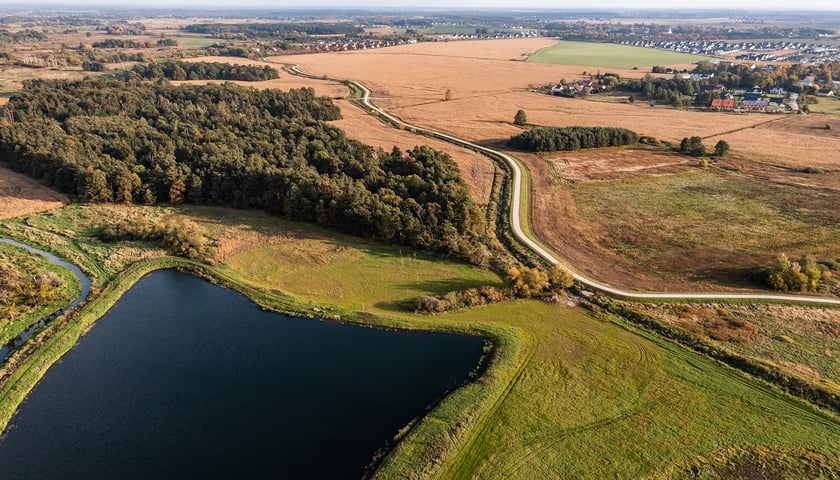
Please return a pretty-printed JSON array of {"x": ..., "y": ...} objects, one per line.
[{"x": 723, "y": 104}]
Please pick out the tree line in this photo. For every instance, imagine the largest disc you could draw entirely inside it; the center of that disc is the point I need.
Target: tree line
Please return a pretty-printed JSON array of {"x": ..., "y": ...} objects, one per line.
[
  {"x": 24, "y": 35},
  {"x": 106, "y": 140},
  {"x": 243, "y": 31},
  {"x": 120, "y": 43},
  {"x": 552, "y": 139},
  {"x": 172, "y": 70}
]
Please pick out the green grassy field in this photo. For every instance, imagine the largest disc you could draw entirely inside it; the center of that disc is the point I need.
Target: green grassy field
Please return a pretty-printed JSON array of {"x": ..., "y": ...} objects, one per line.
[
  {"x": 827, "y": 105},
  {"x": 649, "y": 407},
  {"x": 198, "y": 42},
  {"x": 368, "y": 277},
  {"x": 711, "y": 225},
  {"x": 569, "y": 394},
  {"x": 610, "y": 55}
]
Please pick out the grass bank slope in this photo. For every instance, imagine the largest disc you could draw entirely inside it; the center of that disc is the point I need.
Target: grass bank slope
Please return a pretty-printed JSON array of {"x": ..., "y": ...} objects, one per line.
[
  {"x": 572, "y": 394},
  {"x": 611, "y": 55}
]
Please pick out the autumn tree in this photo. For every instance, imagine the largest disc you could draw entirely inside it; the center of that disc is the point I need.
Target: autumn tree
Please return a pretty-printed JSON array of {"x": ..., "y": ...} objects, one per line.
[
  {"x": 559, "y": 278},
  {"x": 95, "y": 186},
  {"x": 789, "y": 276},
  {"x": 526, "y": 282}
]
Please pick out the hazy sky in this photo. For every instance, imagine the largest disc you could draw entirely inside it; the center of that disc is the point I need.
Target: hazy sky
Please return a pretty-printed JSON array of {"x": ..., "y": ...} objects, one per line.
[{"x": 757, "y": 5}]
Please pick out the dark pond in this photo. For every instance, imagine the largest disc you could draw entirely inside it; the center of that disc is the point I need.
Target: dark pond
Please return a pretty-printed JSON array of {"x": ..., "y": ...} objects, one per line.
[{"x": 185, "y": 379}]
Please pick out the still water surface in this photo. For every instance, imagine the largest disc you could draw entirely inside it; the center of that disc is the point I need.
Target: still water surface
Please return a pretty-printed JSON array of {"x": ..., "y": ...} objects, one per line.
[{"x": 185, "y": 379}]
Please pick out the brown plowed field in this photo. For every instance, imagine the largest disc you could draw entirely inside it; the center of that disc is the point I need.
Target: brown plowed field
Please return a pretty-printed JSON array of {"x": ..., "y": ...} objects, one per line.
[{"x": 20, "y": 195}]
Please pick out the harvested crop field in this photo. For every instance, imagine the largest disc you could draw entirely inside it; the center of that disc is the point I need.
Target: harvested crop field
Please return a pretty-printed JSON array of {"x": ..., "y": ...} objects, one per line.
[
  {"x": 599, "y": 165},
  {"x": 418, "y": 74},
  {"x": 19, "y": 195},
  {"x": 476, "y": 169},
  {"x": 488, "y": 84},
  {"x": 797, "y": 140}
]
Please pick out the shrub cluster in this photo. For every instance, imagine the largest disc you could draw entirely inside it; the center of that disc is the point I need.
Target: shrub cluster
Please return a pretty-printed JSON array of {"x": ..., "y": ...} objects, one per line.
[
  {"x": 24, "y": 285},
  {"x": 801, "y": 276},
  {"x": 551, "y": 139},
  {"x": 177, "y": 235},
  {"x": 520, "y": 282},
  {"x": 693, "y": 146},
  {"x": 472, "y": 297}
]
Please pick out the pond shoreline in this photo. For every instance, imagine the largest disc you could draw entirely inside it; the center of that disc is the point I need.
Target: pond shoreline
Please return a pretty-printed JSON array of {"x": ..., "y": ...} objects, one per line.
[{"x": 27, "y": 365}]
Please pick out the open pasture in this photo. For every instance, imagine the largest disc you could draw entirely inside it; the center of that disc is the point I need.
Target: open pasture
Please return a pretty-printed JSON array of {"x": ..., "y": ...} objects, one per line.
[
  {"x": 611, "y": 55},
  {"x": 710, "y": 226}
]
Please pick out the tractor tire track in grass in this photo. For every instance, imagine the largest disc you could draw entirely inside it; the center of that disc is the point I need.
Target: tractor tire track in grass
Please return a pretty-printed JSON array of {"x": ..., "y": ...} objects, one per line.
[
  {"x": 465, "y": 461},
  {"x": 550, "y": 441}
]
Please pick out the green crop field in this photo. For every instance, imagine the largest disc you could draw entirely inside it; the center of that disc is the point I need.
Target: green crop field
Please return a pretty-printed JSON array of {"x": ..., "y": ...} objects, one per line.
[
  {"x": 198, "y": 42},
  {"x": 610, "y": 55}
]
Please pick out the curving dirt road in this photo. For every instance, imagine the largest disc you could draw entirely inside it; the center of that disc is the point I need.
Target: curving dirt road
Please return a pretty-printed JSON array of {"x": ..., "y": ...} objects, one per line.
[{"x": 516, "y": 211}]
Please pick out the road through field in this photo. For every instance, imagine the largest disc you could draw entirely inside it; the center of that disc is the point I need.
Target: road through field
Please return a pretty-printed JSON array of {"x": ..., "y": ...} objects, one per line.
[{"x": 517, "y": 207}]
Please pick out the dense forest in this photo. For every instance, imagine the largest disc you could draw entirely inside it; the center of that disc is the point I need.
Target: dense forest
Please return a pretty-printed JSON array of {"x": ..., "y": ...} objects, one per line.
[
  {"x": 244, "y": 31},
  {"x": 121, "y": 141},
  {"x": 203, "y": 71},
  {"x": 550, "y": 139}
]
